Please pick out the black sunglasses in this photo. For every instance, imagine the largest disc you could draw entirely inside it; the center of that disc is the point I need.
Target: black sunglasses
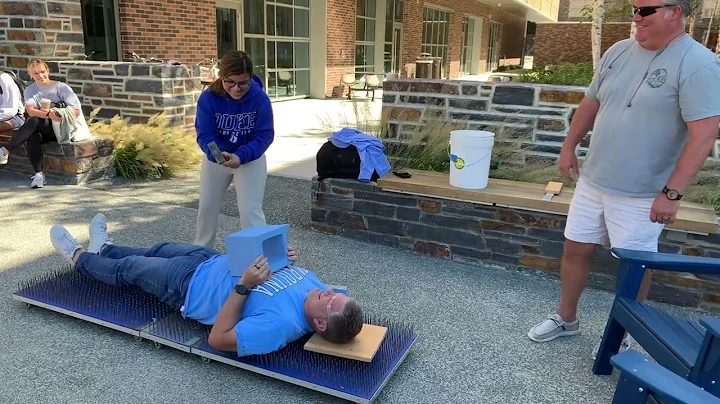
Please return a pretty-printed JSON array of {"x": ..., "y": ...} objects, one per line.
[{"x": 649, "y": 10}]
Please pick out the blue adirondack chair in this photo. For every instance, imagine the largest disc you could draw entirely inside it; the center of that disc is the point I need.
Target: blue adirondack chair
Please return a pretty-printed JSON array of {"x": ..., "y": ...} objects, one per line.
[
  {"x": 686, "y": 348},
  {"x": 641, "y": 380}
]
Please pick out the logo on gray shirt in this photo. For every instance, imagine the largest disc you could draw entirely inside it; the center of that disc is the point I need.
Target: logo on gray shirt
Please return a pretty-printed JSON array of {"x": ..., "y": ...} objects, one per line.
[{"x": 657, "y": 78}]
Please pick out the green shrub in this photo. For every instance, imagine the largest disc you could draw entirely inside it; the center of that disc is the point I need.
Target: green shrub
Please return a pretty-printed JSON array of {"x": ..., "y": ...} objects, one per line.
[
  {"x": 567, "y": 74},
  {"x": 148, "y": 150}
]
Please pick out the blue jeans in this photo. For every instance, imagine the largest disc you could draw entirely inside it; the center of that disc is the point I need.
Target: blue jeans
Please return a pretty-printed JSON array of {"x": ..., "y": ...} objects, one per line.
[{"x": 163, "y": 270}]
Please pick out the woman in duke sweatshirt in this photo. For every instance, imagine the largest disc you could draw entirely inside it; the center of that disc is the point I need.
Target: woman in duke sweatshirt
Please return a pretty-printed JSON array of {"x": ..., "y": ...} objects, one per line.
[{"x": 236, "y": 114}]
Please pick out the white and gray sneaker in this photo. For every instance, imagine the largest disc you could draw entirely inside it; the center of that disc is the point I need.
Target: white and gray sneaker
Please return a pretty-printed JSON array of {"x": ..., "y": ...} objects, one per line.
[
  {"x": 64, "y": 242},
  {"x": 38, "y": 181},
  {"x": 552, "y": 328},
  {"x": 3, "y": 157},
  {"x": 624, "y": 346},
  {"x": 98, "y": 234}
]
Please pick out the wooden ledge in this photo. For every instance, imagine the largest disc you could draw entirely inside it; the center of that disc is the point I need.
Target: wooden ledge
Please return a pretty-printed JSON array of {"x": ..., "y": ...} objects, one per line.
[{"x": 692, "y": 217}]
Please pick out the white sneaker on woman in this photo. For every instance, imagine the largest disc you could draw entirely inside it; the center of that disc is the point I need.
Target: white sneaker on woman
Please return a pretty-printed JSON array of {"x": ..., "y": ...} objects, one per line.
[
  {"x": 3, "y": 156},
  {"x": 38, "y": 181}
]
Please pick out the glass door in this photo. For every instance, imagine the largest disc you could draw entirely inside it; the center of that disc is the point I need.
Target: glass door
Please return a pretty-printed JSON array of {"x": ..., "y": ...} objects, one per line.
[
  {"x": 228, "y": 14},
  {"x": 99, "y": 29},
  {"x": 493, "y": 45},
  {"x": 397, "y": 49},
  {"x": 466, "y": 54}
]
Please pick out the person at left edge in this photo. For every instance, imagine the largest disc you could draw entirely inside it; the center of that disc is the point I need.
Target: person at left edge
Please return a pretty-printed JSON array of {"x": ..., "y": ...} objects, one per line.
[{"x": 236, "y": 114}]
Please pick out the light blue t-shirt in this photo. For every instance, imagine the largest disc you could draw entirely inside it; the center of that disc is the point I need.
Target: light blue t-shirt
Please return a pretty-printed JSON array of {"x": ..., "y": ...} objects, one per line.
[{"x": 272, "y": 315}]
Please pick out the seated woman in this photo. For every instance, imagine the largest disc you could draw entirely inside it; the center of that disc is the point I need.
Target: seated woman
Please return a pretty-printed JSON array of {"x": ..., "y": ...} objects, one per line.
[
  {"x": 54, "y": 116},
  {"x": 256, "y": 313}
]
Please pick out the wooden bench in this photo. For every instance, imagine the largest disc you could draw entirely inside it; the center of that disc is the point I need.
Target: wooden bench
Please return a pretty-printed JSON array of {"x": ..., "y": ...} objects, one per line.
[
  {"x": 76, "y": 164},
  {"x": 692, "y": 217}
]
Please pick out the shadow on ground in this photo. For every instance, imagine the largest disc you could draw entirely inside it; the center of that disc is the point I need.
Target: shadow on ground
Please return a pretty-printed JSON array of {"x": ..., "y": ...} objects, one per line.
[{"x": 471, "y": 320}]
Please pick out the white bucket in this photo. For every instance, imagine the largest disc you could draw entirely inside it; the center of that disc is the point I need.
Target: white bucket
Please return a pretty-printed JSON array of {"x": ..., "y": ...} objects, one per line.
[{"x": 470, "y": 155}]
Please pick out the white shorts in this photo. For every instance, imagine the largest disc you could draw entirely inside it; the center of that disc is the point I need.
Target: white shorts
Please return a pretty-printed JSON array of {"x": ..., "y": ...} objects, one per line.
[{"x": 610, "y": 220}]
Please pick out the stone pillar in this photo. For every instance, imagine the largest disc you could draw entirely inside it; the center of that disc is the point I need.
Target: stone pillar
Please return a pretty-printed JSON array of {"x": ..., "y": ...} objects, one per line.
[
  {"x": 133, "y": 90},
  {"x": 39, "y": 29}
]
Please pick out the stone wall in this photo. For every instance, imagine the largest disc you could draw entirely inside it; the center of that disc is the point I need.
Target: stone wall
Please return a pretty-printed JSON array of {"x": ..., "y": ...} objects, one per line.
[
  {"x": 532, "y": 118},
  {"x": 75, "y": 164},
  {"x": 39, "y": 29},
  {"x": 133, "y": 90},
  {"x": 482, "y": 234},
  {"x": 570, "y": 42}
]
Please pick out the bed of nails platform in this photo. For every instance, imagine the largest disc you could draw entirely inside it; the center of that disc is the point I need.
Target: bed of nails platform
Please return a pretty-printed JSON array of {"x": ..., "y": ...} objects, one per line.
[{"x": 132, "y": 311}]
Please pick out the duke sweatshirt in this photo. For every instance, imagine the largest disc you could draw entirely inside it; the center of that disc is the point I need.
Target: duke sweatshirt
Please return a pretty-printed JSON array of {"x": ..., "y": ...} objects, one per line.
[{"x": 244, "y": 127}]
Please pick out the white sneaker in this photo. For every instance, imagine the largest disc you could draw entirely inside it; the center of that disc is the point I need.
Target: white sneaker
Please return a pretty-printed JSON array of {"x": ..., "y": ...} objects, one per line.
[
  {"x": 64, "y": 242},
  {"x": 624, "y": 346},
  {"x": 98, "y": 234},
  {"x": 552, "y": 328},
  {"x": 38, "y": 181},
  {"x": 3, "y": 157}
]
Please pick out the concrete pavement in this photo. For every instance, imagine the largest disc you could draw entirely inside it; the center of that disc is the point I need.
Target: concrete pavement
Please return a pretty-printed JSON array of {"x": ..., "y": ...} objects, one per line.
[
  {"x": 303, "y": 126},
  {"x": 472, "y": 321}
]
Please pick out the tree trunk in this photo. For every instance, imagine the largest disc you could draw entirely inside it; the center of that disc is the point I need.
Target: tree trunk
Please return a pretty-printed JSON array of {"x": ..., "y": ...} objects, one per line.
[
  {"x": 710, "y": 24},
  {"x": 596, "y": 31},
  {"x": 717, "y": 45},
  {"x": 691, "y": 24},
  {"x": 633, "y": 29}
]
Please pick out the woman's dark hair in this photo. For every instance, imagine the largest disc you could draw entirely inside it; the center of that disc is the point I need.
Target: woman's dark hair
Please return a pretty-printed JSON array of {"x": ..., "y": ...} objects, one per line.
[{"x": 233, "y": 62}]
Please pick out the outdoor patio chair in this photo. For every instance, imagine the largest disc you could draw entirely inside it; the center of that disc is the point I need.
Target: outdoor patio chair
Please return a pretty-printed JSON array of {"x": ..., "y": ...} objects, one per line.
[
  {"x": 642, "y": 381},
  {"x": 687, "y": 348}
]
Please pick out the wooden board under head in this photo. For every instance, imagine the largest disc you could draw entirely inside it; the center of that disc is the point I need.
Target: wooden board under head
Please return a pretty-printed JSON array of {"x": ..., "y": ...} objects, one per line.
[
  {"x": 362, "y": 348},
  {"x": 692, "y": 217}
]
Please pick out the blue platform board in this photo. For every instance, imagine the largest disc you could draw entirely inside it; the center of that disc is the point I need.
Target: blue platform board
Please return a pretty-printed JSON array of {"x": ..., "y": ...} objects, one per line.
[{"x": 137, "y": 313}]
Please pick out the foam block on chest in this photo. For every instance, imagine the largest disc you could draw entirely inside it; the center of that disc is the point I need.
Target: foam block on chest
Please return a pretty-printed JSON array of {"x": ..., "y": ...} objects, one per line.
[
  {"x": 362, "y": 348},
  {"x": 269, "y": 241}
]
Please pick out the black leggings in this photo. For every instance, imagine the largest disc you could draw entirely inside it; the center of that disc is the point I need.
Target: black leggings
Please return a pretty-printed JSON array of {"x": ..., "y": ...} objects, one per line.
[{"x": 35, "y": 131}]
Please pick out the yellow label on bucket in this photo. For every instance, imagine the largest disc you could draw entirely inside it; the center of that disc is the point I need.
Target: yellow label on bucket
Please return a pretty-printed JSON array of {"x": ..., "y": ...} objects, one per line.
[{"x": 459, "y": 163}]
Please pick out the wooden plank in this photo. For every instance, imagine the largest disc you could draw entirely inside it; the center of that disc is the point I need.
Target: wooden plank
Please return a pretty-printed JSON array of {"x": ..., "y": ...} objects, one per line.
[
  {"x": 692, "y": 217},
  {"x": 554, "y": 187},
  {"x": 362, "y": 348}
]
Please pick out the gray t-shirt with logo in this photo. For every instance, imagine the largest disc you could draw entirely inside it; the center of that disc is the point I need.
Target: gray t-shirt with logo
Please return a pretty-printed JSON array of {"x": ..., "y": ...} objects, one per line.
[{"x": 646, "y": 97}]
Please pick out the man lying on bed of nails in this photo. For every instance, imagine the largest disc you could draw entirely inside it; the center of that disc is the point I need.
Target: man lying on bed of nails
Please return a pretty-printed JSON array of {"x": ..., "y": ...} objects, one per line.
[{"x": 257, "y": 313}]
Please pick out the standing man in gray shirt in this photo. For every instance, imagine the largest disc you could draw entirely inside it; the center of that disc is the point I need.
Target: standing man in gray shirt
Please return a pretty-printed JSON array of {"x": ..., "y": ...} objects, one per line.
[{"x": 654, "y": 108}]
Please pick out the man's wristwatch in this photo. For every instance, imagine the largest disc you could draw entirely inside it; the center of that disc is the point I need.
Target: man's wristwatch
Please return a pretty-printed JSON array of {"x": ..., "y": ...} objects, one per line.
[
  {"x": 672, "y": 194},
  {"x": 241, "y": 289}
]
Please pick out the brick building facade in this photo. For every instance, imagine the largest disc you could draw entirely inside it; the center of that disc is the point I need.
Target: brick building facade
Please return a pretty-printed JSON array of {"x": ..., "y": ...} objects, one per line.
[{"x": 300, "y": 48}]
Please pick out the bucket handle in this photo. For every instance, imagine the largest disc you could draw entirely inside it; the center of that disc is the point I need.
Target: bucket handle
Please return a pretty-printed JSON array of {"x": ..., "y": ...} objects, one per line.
[{"x": 454, "y": 157}]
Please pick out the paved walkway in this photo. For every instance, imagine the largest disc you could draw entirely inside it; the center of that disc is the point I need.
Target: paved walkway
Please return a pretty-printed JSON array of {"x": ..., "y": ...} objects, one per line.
[
  {"x": 302, "y": 126},
  {"x": 472, "y": 321}
]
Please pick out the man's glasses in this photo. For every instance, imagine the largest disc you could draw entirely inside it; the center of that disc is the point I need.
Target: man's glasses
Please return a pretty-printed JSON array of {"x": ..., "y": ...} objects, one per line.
[
  {"x": 649, "y": 10},
  {"x": 330, "y": 304},
  {"x": 230, "y": 84}
]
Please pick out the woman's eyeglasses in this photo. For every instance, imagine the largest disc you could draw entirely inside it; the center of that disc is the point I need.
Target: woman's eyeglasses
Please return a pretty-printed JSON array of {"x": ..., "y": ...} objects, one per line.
[{"x": 230, "y": 84}]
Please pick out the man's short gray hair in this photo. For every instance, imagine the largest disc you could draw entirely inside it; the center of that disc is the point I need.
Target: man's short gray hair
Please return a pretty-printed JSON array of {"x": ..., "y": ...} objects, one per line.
[{"x": 685, "y": 5}]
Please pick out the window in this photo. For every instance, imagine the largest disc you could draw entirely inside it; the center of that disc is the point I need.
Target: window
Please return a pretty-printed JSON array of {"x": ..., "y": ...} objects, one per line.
[
  {"x": 393, "y": 35},
  {"x": 435, "y": 35},
  {"x": 277, "y": 38},
  {"x": 99, "y": 29},
  {"x": 467, "y": 46},
  {"x": 365, "y": 17}
]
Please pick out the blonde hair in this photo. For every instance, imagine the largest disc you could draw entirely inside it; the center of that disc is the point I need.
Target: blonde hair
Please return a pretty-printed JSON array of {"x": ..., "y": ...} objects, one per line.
[{"x": 36, "y": 62}]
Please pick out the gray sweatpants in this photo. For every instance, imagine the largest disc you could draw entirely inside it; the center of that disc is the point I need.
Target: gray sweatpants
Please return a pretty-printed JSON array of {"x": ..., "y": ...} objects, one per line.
[{"x": 249, "y": 180}]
